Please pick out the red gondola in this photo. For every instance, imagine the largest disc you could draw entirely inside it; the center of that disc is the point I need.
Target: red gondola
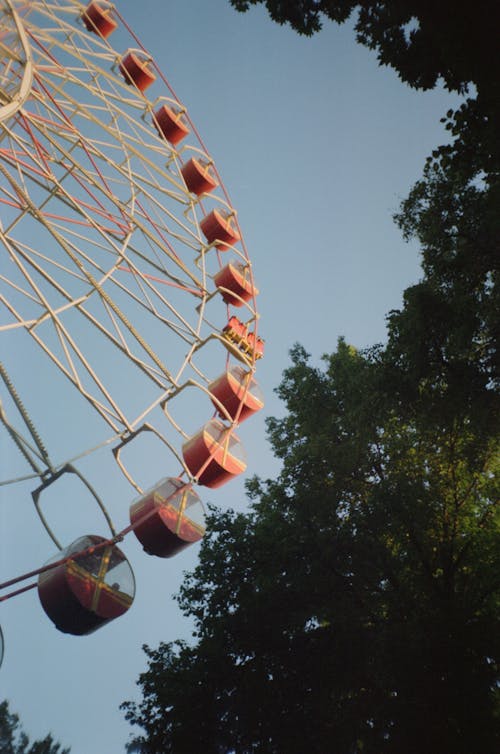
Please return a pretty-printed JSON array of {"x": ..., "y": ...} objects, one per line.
[
  {"x": 171, "y": 124},
  {"x": 217, "y": 229},
  {"x": 97, "y": 18},
  {"x": 134, "y": 67},
  {"x": 178, "y": 519},
  {"x": 235, "y": 330},
  {"x": 255, "y": 345},
  {"x": 234, "y": 388},
  {"x": 89, "y": 590},
  {"x": 247, "y": 342},
  {"x": 214, "y": 455},
  {"x": 235, "y": 284},
  {"x": 198, "y": 176}
]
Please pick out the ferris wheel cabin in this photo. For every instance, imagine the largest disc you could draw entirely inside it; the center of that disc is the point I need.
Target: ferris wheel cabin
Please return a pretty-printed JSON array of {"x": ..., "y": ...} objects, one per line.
[
  {"x": 88, "y": 590},
  {"x": 218, "y": 229},
  {"x": 247, "y": 342},
  {"x": 171, "y": 123},
  {"x": 135, "y": 69},
  {"x": 238, "y": 393},
  {"x": 214, "y": 455},
  {"x": 168, "y": 518},
  {"x": 97, "y": 18},
  {"x": 198, "y": 176},
  {"x": 234, "y": 284}
]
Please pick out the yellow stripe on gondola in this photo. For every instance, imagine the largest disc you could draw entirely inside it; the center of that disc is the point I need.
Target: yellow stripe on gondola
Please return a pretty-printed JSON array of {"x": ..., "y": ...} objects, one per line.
[{"x": 76, "y": 570}]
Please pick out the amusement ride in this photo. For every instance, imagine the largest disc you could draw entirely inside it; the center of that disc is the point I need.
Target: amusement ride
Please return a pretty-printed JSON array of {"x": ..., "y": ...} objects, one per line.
[{"x": 125, "y": 279}]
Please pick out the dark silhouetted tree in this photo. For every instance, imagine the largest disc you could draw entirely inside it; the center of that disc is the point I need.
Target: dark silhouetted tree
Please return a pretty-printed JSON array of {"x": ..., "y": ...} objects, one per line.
[
  {"x": 422, "y": 40},
  {"x": 356, "y": 607},
  {"x": 13, "y": 740}
]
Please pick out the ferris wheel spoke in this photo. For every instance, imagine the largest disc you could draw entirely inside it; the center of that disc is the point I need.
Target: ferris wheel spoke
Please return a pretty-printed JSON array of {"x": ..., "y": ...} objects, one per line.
[
  {"x": 69, "y": 163},
  {"x": 29, "y": 453},
  {"x": 83, "y": 208},
  {"x": 184, "y": 330},
  {"x": 69, "y": 347},
  {"x": 108, "y": 411},
  {"x": 41, "y": 451},
  {"x": 56, "y": 312},
  {"x": 71, "y": 372},
  {"x": 51, "y": 315}
]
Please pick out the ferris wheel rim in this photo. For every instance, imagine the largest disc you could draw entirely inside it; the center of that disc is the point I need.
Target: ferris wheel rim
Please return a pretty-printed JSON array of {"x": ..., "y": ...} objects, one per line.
[{"x": 10, "y": 108}]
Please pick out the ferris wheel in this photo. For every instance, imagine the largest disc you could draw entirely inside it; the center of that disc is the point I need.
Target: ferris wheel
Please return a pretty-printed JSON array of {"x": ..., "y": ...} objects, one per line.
[{"x": 125, "y": 283}]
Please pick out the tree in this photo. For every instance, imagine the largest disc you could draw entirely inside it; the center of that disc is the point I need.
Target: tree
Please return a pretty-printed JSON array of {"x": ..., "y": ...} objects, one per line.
[
  {"x": 421, "y": 39},
  {"x": 355, "y": 608},
  {"x": 424, "y": 42},
  {"x": 453, "y": 209},
  {"x": 13, "y": 740}
]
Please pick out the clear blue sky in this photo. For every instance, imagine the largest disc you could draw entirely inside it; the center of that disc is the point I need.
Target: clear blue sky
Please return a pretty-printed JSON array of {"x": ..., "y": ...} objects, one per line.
[{"x": 317, "y": 145}]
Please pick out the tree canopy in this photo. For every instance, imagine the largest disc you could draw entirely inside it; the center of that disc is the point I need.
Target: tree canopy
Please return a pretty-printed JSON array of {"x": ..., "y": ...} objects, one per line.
[
  {"x": 426, "y": 42},
  {"x": 13, "y": 740},
  {"x": 355, "y": 607},
  {"x": 423, "y": 40}
]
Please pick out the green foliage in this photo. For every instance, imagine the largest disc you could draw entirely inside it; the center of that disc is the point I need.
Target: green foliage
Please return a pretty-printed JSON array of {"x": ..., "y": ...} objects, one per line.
[
  {"x": 445, "y": 340},
  {"x": 423, "y": 40},
  {"x": 13, "y": 740},
  {"x": 356, "y": 607},
  {"x": 358, "y": 598}
]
